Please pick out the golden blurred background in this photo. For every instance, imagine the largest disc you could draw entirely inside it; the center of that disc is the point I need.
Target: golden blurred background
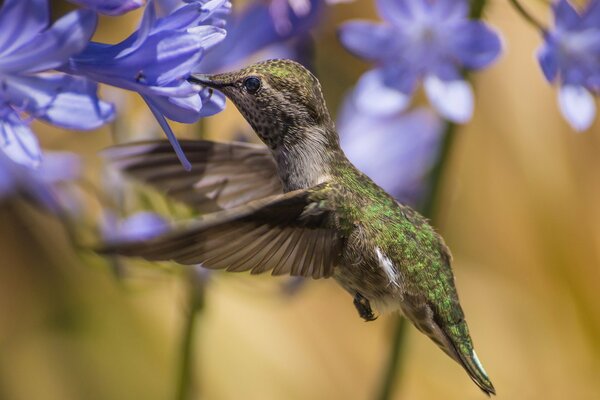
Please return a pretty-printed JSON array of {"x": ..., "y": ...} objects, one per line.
[{"x": 520, "y": 209}]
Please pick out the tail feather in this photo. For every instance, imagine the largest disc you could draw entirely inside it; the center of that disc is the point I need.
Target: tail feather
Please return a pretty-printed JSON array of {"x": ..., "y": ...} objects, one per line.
[
  {"x": 469, "y": 360},
  {"x": 452, "y": 338}
]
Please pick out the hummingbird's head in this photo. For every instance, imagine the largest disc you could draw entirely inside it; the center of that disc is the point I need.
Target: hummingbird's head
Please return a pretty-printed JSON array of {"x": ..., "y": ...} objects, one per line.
[{"x": 278, "y": 98}]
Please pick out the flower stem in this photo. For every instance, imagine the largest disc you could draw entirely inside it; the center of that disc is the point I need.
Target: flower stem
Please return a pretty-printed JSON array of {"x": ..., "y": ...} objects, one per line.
[
  {"x": 393, "y": 369},
  {"x": 195, "y": 306},
  {"x": 528, "y": 16},
  {"x": 390, "y": 378}
]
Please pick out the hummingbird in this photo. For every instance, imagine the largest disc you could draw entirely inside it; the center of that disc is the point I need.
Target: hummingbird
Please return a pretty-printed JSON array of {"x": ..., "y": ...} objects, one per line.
[{"x": 298, "y": 206}]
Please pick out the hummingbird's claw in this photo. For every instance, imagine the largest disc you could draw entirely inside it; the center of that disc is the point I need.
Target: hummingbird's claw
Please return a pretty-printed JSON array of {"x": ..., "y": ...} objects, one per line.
[{"x": 364, "y": 308}]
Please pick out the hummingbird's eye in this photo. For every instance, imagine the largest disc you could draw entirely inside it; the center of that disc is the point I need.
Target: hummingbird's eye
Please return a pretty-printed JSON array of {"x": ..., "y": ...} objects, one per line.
[{"x": 252, "y": 84}]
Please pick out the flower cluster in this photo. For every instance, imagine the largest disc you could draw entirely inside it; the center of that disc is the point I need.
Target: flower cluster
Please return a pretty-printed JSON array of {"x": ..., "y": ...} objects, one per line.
[
  {"x": 570, "y": 56},
  {"x": 429, "y": 41},
  {"x": 50, "y": 72}
]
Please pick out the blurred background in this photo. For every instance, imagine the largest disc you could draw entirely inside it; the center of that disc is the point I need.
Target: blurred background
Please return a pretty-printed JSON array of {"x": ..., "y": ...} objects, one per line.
[{"x": 519, "y": 208}]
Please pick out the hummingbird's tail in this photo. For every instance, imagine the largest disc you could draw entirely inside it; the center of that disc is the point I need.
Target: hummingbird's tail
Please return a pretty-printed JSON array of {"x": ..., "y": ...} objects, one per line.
[
  {"x": 468, "y": 358},
  {"x": 453, "y": 338}
]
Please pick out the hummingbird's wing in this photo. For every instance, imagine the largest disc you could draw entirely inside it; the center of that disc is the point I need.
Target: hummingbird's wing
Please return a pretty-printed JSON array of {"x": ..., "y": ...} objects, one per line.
[
  {"x": 285, "y": 234},
  {"x": 223, "y": 175}
]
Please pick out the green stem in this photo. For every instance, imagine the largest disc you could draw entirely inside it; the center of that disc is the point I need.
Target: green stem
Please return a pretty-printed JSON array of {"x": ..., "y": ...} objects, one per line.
[
  {"x": 393, "y": 368},
  {"x": 527, "y": 15},
  {"x": 195, "y": 306},
  {"x": 435, "y": 176}
]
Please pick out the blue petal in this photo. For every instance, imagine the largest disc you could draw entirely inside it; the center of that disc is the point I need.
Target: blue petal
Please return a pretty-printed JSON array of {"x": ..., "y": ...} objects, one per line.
[
  {"x": 180, "y": 109},
  {"x": 63, "y": 100},
  {"x": 452, "y": 99},
  {"x": 577, "y": 106},
  {"x": 212, "y": 102},
  {"x": 163, "y": 58},
  {"x": 140, "y": 226},
  {"x": 449, "y": 10},
  {"x": 591, "y": 16},
  {"x": 140, "y": 36},
  {"x": 190, "y": 15},
  {"x": 52, "y": 48},
  {"x": 565, "y": 16},
  {"x": 110, "y": 7},
  {"x": 18, "y": 142},
  {"x": 372, "y": 95},
  {"x": 548, "y": 62},
  {"x": 7, "y": 180},
  {"x": 368, "y": 40},
  {"x": 475, "y": 44},
  {"x": 78, "y": 106},
  {"x": 399, "y": 12},
  {"x": 21, "y": 20},
  {"x": 59, "y": 167},
  {"x": 252, "y": 31},
  {"x": 170, "y": 135}
]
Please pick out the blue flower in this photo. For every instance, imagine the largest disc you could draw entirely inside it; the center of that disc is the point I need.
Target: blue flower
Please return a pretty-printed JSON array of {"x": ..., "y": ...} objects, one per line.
[
  {"x": 421, "y": 40},
  {"x": 143, "y": 225},
  {"x": 406, "y": 145},
  {"x": 156, "y": 60},
  {"x": 570, "y": 55},
  {"x": 42, "y": 185},
  {"x": 254, "y": 30},
  {"x": 110, "y": 7},
  {"x": 28, "y": 47}
]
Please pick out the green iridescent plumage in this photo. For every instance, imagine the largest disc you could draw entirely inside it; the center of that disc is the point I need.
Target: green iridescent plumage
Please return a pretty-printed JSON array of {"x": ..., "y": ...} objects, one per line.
[{"x": 322, "y": 218}]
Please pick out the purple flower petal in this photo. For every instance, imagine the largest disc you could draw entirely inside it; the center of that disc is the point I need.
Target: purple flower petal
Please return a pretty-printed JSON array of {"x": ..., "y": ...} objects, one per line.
[
  {"x": 475, "y": 44},
  {"x": 21, "y": 20},
  {"x": 548, "y": 62},
  {"x": 577, "y": 106},
  {"x": 17, "y": 141},
  {"x": 452, "y": 99},
  {"x": 400, "y": 11},
  {"x": 180, "y": 109},
  {"x": 372, "y": 95},
  {"x": 63, "y": 100},
  {"x": 59, "y": 167},
  {"x": 110, "y": 7},
  {"x": 254, "y": 30},
  {"x": 140, "y": 36},
  {"x": 565, "y": 16},
  {"x": 212, "y": 102},
  {"x": 140, "y": 226},
  {"x": 450, "y": 10},
  {"x": 52, "y": 48},
  {"x": 591, "y": 16},
  {"x": 170, "y": 135},
  {"x": 367, "y": 39}
]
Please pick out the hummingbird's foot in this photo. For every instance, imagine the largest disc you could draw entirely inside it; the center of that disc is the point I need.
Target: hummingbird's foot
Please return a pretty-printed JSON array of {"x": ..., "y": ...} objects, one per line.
[{"x": 364, "y": 308}]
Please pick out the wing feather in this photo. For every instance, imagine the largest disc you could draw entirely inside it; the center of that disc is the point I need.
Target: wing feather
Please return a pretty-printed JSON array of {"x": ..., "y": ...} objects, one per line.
[
  {"x": 273, "y": 234},
  {"x": 223, "y": 175}
]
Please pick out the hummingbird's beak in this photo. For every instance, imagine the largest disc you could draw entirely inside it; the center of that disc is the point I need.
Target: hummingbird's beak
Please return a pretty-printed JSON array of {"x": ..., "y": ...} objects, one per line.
[{"x": 211, "y": 81}]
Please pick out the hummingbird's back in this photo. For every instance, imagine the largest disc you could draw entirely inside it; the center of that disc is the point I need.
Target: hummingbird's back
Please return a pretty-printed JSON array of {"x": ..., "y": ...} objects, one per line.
[{"x": 395, "y": 259}]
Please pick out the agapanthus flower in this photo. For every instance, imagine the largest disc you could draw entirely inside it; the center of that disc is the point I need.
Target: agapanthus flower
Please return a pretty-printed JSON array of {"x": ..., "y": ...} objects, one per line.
[
  {"x": 156, "y": 60},
  {"x": 110, "y": 7},
  {"x": 142, "y": 225},
  {"x": 427, "y": 41},
  {"x": 255, "y": 30},
  {"x": 28, "y": 48},
  {"x": 396, "y": 150},
  {"x": 570, "y": 56},
  {"x": 43, "y": 184}
]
